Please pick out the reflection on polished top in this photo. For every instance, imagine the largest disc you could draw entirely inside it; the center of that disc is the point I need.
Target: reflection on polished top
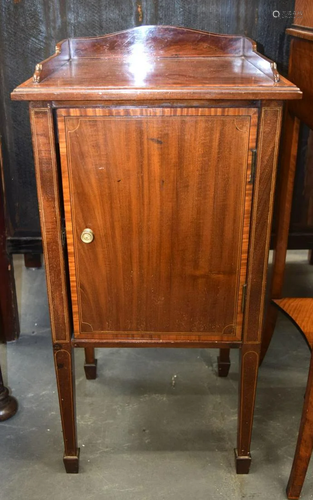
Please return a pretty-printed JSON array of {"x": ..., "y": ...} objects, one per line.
[{"x": 156, "y": 62}]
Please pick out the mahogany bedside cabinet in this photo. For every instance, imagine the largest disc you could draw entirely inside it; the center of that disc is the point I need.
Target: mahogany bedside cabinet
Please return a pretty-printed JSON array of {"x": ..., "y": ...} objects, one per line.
[{"x": 155, "y": 152}]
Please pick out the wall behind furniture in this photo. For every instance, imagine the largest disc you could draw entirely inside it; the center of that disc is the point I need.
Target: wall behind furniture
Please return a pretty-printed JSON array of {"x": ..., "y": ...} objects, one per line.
[{"x": 29, "y": 31}]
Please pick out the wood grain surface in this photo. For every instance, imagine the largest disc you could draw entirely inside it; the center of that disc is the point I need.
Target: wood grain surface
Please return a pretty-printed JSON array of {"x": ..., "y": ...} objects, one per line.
[
  {"x": 169, "y": 204},
  {"x": 51, "y": 223},
  {"x": 158, "y": 62},
  {"x": 303, "y": 14},
  {"x": 263, "y": 199},
  {"x": 304, "y": 447},
  {"x": 284, "y": 194},
  {"x": 64, "y": 370},
  {"x": 162, "y": 41},
  {"x": 300, "y": 72},
  {"x": 300, "y": 310}
]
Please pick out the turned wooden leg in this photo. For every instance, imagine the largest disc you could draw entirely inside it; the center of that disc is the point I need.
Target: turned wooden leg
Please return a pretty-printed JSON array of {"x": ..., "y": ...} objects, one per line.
[
  {"x": 90, "y": 365},
  {"x": 304, "y": 444},
  {"x": 223, "y": 362},
  {"x": 283, "y": 212},
  {"x": 247, "y": 390},
  {"x": 64, "y": 367},
  {"x": 8, "y": 404}
]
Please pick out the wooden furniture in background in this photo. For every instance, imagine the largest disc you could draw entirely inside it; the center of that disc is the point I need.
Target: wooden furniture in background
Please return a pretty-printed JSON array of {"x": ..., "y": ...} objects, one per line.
[
  {"x": 32, "y": 260},
  {"x": 300, "y": 311},
  {"x": 8, "y": 404},
  {"x": 143, "y": 141},
  {"x": 9, "y": 321},
  {"x": 300, "y": 72}
]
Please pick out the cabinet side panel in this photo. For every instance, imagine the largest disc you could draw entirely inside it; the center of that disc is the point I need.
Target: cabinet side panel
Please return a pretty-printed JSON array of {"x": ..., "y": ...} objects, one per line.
[
  {"x": 50, "y": 218},
  {"x": 268, "y": 145}
]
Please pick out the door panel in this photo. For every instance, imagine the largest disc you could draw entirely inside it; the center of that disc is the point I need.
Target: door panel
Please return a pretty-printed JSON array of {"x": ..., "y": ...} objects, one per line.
[{"x": 166, "y": 194}]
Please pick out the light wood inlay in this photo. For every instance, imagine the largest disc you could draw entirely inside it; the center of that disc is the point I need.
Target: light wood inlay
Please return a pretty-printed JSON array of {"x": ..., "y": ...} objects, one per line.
[
  {"x": 50, "y": 218},
  {"x": 161, "y": 211},
  {"x": 300, "y": 310},
  {"x": 268, "y": 144},
  {"x": 303, "y": 13}
]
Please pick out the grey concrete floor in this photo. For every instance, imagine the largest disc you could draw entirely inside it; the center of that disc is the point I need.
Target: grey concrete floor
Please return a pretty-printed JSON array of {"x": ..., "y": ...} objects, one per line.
[{"x": 140, "y": 437}]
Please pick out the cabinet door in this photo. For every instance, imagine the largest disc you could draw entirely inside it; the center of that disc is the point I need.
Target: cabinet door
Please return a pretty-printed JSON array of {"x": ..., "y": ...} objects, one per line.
[{"x": 167, "y": 195}]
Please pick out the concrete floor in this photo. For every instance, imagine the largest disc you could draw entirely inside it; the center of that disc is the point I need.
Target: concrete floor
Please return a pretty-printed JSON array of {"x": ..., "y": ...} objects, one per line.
[{"x": 140, "y": 437}]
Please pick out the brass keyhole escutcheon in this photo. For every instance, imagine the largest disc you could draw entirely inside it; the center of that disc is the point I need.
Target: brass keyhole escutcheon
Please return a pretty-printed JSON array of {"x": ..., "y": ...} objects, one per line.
[{"x": 87, "y": 235}]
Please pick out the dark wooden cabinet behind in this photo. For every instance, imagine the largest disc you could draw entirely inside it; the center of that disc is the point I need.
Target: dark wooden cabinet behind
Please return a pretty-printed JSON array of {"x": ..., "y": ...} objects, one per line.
[{"x": 29, "y": 31}]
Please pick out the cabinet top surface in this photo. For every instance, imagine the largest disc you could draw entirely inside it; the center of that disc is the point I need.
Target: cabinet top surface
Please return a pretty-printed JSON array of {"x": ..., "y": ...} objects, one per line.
[{"x": 156, "y": 62}]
